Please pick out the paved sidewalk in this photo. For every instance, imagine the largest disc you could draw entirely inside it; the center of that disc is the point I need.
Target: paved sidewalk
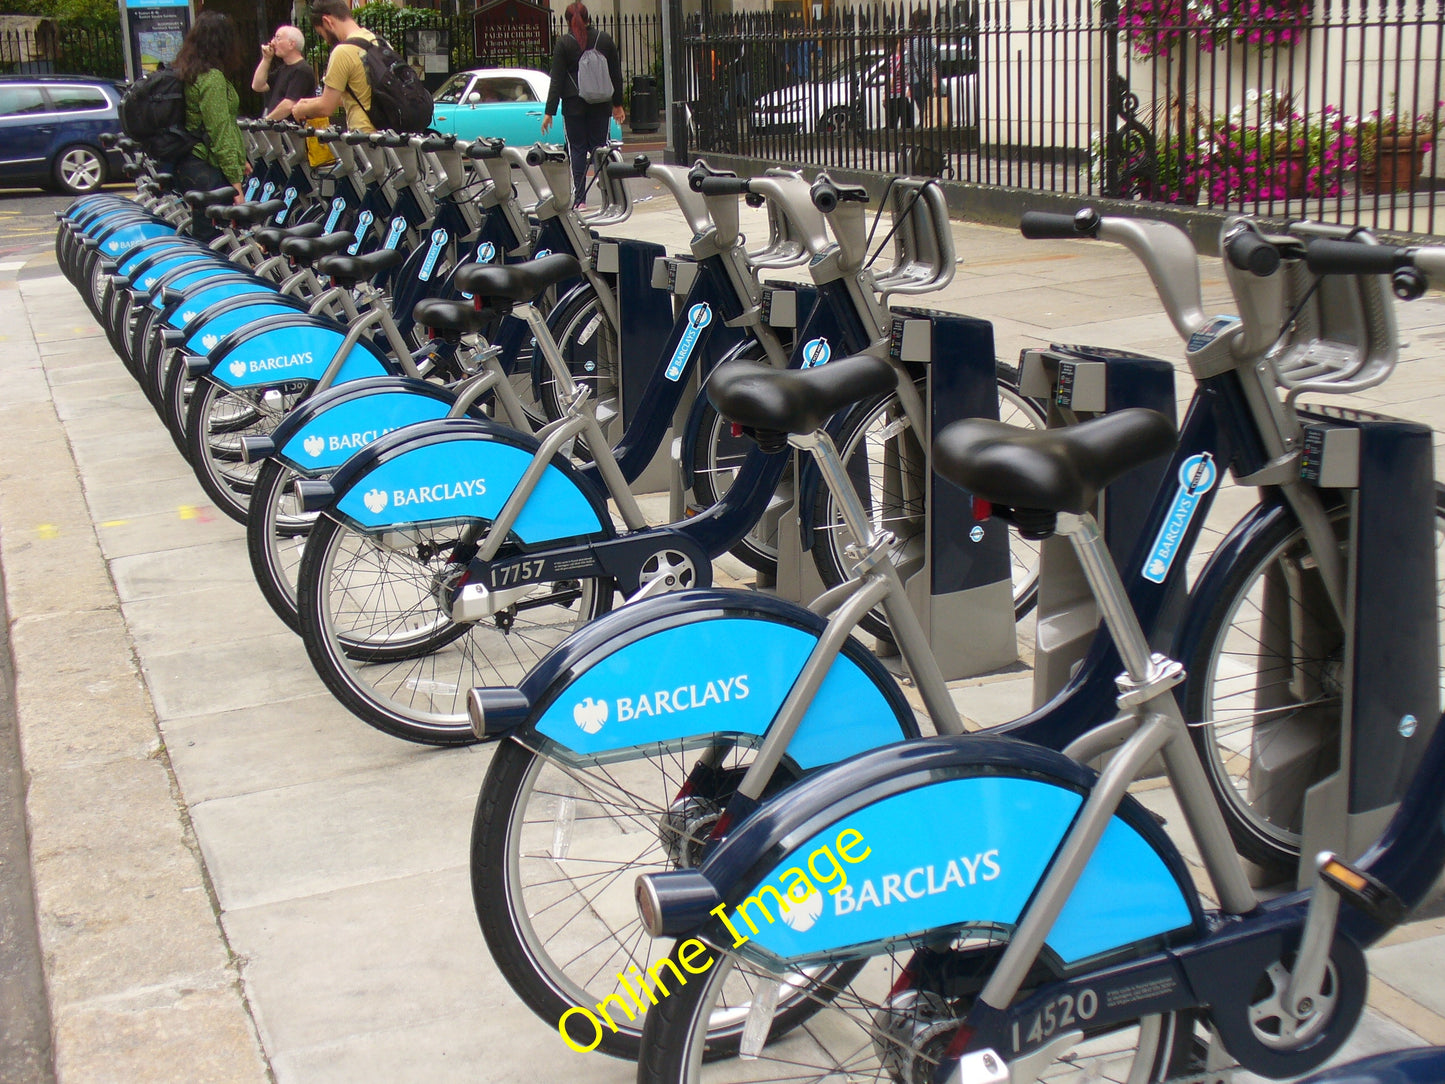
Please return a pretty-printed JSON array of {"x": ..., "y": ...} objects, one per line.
[{"x": 235, "y": 879}]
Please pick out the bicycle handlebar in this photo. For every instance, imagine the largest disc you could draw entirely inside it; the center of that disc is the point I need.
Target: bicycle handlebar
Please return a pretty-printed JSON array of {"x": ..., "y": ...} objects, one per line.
[
  {"x": 827, "y": 195},
  {"x": 638, "y": 167},
  {"x": 485, "y": 148},
  {"x": 1326, "y": 257},
  {"x": 1250, "y": 252},
  {"x": 545, "y": 152},
  {"x": 1049, "y": 226},
  {"x": 720, "y": 186}
]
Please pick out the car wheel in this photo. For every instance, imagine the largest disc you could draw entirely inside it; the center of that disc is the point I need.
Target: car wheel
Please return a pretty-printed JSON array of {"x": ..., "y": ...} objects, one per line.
[{"x": 79, "y": 169}]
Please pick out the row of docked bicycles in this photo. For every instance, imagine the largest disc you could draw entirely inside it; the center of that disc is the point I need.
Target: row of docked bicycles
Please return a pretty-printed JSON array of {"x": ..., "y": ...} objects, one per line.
[{"x": 428, "y": 402}]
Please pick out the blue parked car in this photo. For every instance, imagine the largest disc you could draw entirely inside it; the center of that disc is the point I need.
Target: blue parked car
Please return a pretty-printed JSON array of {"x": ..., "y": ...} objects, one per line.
[
  {"x": 50, "y": 129},
  {"x": 503, "y": 103}
]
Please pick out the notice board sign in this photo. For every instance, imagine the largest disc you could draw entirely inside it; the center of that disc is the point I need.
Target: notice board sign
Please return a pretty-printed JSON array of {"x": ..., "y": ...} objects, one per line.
[
  {"x": 154, "y": 30},
  {"x": 511, "y": 31}
]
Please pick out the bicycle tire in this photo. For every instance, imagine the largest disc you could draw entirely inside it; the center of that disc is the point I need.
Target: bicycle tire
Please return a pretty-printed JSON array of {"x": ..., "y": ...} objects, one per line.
[
  {"x": 588, "y": 345},
  {"x": 1230, "y": 682},
  {"x": 672, "y": 1052},
  {"x": 510, "y": 923},
  {"x": 276, "y": 532},
  {"x": 217, "y": 418},
  {"x": 407, "y": 670},
  {"x": 901, "y": 504}
]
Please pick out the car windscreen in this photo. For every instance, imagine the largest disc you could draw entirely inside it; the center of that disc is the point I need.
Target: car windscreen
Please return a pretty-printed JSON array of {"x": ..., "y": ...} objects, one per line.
[{"x": 450, "y": 92}]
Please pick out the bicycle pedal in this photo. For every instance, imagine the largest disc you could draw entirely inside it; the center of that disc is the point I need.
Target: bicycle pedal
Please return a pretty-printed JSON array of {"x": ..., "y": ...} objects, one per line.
[{"x": 1362, "y": 891}]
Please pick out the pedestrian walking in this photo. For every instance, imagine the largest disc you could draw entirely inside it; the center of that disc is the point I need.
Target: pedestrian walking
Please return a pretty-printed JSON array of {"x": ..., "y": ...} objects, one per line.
[{"x": 580, "y": 60}]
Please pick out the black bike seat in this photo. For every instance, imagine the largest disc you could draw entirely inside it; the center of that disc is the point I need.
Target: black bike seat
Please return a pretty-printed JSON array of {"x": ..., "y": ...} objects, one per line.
[
  {"x": 198, "y": 198},
  {"x": 1050, "y": 470},
  {"x": 518, "y": 281},
  {"x": 165, "y": 180},
  {"x": 270, "y": 237},
  {"x": 304, "y": 251},
  {"x": 795, "y": 400},
  {"x": 247, "y": 214},
  {"x": 349, "y": 270},
  {"x": 457, "y": 316}
]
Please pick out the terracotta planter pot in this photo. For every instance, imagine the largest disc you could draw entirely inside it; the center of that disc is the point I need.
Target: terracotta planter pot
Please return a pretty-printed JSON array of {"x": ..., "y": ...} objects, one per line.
[
  {"x": 1398, "y": 161},
  {"x": 1296, "y": 173}
]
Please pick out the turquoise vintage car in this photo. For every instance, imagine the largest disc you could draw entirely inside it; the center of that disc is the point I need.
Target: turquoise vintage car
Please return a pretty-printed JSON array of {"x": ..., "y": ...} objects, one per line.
[{"x": 498, "y": 102}]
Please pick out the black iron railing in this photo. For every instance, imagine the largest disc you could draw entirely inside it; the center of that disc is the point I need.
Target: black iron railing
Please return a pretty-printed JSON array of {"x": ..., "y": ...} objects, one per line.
[
  {"x": 63, "y": 49},
  {"x": 1321, "y": 108}
]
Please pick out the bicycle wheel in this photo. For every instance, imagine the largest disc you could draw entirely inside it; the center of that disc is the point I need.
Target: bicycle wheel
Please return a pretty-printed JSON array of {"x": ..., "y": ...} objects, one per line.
[
  {"x": 216, "y": 419},
  {"x": 276, "y": 532},
  {"x": 588, "y": 345},
  {"x": 555, "y": 851},
  {"x": 370, "y": 612},
  {"x": 1264, "y": 694},
  {"x": 716, "y": 458},
  {"x": 883, "y": 456},
  {"x": 880, "y": 1025}
]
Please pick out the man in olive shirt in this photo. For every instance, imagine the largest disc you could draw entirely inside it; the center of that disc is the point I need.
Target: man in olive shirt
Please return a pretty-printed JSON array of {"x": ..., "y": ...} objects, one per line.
[
  {"x": 345, "y": 82},
  {"x": 283, "y": 74}
]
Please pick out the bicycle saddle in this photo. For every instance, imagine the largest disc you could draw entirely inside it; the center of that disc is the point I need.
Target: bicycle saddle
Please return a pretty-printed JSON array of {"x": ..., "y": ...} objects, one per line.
[
  {"x": 198, "y": 198},
  {"x": 1049, "y": 470},
  {"x": 246, "y": 214},
  {"x": 795, "y": 400},
  {"x": 270, "y": 237},
  {"x": 347, "y": 271},
  {"x": 454, "y": 316},
  {"x": 516, "y": 282},
  {"x": 304, "y": 251}
]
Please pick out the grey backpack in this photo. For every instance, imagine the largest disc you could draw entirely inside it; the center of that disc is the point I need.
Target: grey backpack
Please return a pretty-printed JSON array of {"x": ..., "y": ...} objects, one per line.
[{"x": 594, "y": 83}]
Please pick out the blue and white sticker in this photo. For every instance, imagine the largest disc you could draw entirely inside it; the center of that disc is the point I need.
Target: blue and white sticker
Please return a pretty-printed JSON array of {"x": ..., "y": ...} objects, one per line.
[
  {"x": 288, "y": 198},
  {"x": 438, "y": 242},
  {"x": 398, "y": 227},
  {"x": 268, "y": 191},
  {"x": 816, "y": 352},
  {"x": 363, "y": 223},
  {"x": 1197, "y": 476},
  {"x": 541, "y": 252},
  {"x": 698, "y": 317},
  {"x": 337, "y": 206},
  {"x": 486, "y": 252},
  {"x": 251, "y": 186}
]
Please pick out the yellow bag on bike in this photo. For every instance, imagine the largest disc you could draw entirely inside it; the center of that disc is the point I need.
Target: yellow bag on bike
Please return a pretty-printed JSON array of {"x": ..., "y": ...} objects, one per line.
[{"x": 318, "y": 153}]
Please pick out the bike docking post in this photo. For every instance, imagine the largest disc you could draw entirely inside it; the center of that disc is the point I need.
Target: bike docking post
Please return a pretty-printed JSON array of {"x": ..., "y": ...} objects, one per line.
[
  {"x": 1387, "y": 669},
  {"x": 644, "y": 317},
  {"x": 963, "y": 591},
  {"x": 1077, "y": 383}
]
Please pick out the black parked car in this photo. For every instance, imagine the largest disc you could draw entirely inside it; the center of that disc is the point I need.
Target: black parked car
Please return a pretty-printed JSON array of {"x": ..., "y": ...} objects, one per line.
[{"x": 50, "y": 129}]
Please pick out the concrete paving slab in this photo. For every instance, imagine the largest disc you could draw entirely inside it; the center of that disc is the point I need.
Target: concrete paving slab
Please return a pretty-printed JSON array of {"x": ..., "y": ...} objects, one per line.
[
  {"x": 163, "y": 626},
  {"x": 146, "y": 497},
  {"x": 192, "y": 568},
  {"x": 290, "y": 742},
  {"x": 182, "y": 526},
  {"x": 319, "y": 836},
  {"x": 1414, "y": 969},
  {"x": 237, "y": 673}
]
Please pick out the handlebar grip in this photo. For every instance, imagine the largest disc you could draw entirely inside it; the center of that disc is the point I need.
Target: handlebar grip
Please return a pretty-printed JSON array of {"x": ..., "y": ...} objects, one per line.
[
  {"x": 638, "y": 167},
  {"x": 1326, "y": 257},
  {"x": 327, "y": 135},
  {"x": 826, "y": 195},
  {"x": 485, "y": 148},
  {"x": 539, "y": 153},
  {"x": 438, "y": 142},
  {"x": 1047, "y": 225},
  {"x": 1250, "y": 252},
  {"x": 355, "y": 139},
  {"x": 720, "y": 186}
]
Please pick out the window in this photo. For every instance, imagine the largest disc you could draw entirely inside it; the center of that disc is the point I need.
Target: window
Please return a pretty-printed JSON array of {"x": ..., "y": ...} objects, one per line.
[
  {"x": 18, "y": 101},
  {"x": 501, "y": 90},
  {"x": 452, "y": 90},
  {"x": 76, "y": 99}
]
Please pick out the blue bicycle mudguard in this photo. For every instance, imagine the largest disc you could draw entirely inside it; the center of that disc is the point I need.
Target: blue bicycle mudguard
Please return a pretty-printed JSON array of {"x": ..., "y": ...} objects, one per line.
[
  {"x": 279, "y": 349},
  {"x": 205, "y": 290},
  {"x": 463, "y": 470},
  {"x": 206, "y": 328},
  {"x": 326, "y": 430},
  {"x": 1423, "y": 1065},
  {"x": 669, "y": 669},
  {"x": 1007, "y": 805},
  {"x": 189, "y": 278},
  {"x": 127, "y": 237},
  {"x": 143, "y": 266},
  {"x": 96, "y": 225}
]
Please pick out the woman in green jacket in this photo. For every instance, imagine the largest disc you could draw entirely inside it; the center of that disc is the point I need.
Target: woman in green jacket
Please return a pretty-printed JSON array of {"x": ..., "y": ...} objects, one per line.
[{"x": 208, "y": 53}]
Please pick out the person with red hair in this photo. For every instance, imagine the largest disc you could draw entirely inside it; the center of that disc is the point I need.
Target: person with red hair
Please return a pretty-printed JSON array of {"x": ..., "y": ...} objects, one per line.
[{"x": 584, "y": 122}]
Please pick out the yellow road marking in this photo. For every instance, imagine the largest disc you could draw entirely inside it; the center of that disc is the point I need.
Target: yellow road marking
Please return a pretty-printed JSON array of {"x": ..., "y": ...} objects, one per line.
[{"x": 48, "y": 530}]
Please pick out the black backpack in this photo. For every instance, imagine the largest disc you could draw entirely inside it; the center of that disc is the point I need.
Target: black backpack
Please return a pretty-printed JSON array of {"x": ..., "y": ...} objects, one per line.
[
  {"x": 153, "y": 113},
  {"x": 399, "y": 101}
]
